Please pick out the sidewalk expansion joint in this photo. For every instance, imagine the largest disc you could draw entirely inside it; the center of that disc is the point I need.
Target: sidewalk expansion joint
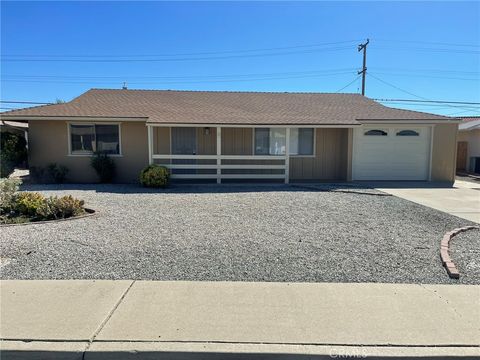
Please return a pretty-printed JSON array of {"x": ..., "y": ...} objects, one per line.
[
  {"x": 434, "y": 292},
  {"x": 109, "y": 315}
]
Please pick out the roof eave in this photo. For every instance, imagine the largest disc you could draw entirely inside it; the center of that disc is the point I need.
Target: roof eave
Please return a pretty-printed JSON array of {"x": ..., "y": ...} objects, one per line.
[
  {"x": 411, "y": 121},
  {"x": 69, "y": 117}
]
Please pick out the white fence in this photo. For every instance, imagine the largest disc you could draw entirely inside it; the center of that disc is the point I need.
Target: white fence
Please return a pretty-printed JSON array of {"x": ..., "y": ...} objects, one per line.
[{"x": 219, "y": 166}]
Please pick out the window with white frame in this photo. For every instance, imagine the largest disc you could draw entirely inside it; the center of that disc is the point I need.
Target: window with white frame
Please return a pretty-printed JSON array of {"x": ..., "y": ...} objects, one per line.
[
  {"x": 88, "y": 138},
  {"x": 301, "y": 141},
  {"x": 272, "y": 141}
]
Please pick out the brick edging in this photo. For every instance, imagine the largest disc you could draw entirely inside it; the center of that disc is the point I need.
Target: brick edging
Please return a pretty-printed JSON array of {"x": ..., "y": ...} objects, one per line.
[
  {"x": 444, "y": 248},
  {"x": 89, "y": 212}
]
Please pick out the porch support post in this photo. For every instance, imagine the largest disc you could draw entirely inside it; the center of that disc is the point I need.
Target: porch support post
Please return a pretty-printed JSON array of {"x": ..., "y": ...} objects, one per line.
[
  {"x": 219, "y": 154},
  {"x": 287, "y": 155},
  {"x": 150, "y": 144}
]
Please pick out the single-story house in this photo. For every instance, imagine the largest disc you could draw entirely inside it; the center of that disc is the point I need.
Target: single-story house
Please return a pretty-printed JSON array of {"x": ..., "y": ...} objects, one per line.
[
  {"x": 468, "y": 153},
  {"x": 242, "y": 135}
]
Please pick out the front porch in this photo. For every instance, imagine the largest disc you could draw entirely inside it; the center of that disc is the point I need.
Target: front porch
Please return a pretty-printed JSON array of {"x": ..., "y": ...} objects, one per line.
[{"x": 230, "y": 153}]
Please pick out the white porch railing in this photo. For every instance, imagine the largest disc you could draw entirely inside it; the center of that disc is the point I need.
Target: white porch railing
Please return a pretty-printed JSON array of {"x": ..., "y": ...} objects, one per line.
[{"x": 219, "y": 166}]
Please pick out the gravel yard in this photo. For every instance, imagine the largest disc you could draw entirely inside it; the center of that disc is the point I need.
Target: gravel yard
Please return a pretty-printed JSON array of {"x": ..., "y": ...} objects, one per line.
[
  {"x": 465, "y": 253},
  {"x": 238, "y": 232}
]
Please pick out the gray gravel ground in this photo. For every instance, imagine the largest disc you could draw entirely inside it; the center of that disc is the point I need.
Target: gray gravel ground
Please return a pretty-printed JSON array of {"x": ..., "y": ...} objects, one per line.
[
  {"x": 465, "y": 253},
  {"x": 244, "y": 233}
]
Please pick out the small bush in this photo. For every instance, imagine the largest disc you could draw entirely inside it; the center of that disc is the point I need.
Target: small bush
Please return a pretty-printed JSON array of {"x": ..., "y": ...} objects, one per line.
[
  {"x": 6, "y": 167},
  {"x": 104, "y": 166},
  {"x": 58, "y": 173},
  {"x": 21, "y": 207},
  {"x": 8, "y": 189},
  {"x": 60, "y": 208},
  {"x": 155, "y": 176},
  {"x": 37, "y": 174},
  {"x": 13, "y": 152},
  {"x": 27, "y": 203}
]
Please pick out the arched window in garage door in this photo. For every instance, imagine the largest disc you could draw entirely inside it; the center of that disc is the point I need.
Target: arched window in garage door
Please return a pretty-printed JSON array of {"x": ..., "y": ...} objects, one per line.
[
  {"x": 376, "y": 132},
  {"x": 408, "y": 133}
]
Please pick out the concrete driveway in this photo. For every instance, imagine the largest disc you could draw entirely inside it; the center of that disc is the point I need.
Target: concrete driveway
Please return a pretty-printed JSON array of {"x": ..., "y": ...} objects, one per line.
[{"x": 462, "y": 200}]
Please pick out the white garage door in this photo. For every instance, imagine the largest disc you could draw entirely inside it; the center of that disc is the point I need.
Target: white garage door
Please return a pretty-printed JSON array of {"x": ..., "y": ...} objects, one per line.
[{"x": 391, "y": 153}]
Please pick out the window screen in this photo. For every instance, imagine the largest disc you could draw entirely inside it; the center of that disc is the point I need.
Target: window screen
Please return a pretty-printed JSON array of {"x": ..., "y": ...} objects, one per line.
[{"x": 85, "y": 139}]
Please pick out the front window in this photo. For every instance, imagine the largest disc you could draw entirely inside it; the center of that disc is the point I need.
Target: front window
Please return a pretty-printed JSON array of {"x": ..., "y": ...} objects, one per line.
[
  {"x": 301, "y": 141},
  {"x": 88, "y": 138},
  {"x": 272, "y": 141}
]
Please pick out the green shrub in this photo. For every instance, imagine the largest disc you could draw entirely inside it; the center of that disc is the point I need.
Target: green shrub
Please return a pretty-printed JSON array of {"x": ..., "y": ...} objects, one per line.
[
  {"x": 37, "y": 174},
  {"x": 60, "y": 208},
  {"x": 6, "y": 167},
  {"x": 104, "y": 166},
  {"x": 27, "y": 203},
  {"x": 48, "y": 209},
  {"x": 155, "y": 176},
  {"x": 58, "y": 173},
  {"x": 13, "y": 152},
  {"x": 8, "y": 189}
]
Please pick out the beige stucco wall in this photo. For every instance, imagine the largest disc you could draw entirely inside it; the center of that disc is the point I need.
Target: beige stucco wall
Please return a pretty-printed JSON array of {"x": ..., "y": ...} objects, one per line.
[
  {"x": 472, "y": 137},
  {"x": 444, "y": 152},
  {"x": 48, "y": 143}
]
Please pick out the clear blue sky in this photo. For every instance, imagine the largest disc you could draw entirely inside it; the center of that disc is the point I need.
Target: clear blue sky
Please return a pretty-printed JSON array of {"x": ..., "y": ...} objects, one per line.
[{"x": 429, "y": 49}]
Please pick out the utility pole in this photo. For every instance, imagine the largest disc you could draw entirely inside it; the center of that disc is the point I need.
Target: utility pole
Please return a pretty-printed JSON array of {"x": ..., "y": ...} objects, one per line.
[{"x": 364, "y": 69}]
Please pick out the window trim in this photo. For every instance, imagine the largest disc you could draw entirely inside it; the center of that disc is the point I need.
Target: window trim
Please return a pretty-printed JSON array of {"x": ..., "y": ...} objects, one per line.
[
  {"x": 290, "y": 155},
  {"x": 69, "y": 138}
]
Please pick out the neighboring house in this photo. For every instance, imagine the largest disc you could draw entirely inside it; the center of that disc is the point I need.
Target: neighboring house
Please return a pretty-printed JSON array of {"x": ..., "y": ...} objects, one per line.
[
  {"x": 242, "y": 135},
  {"x": 16, "y": 127},
  {"x": 468, "y": 153}
]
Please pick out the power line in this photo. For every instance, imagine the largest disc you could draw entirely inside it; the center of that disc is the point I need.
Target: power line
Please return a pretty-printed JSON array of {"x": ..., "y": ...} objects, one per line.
[
  {"x": 122, "y": 77},
  {"x": 430, "y": 101},
  {"x": 178, "y": 59},
  {"x": 435, "y": 50},
  {"x": 396, "y": 87},
  {"x": 429, "y": 76},
  {"x": 350, "y": 83},
  {"x": 191, "y": 54},
  {"x": 410, "y": 93},
  {"x": 428, "y": 43},
  {"x": 426, "y": 70},
  {"x": 474, "y": 107},
  {"x": 463, "y": 112},
  {"x": 25, "y": 102},
  {"x": 180, "y": 82}
]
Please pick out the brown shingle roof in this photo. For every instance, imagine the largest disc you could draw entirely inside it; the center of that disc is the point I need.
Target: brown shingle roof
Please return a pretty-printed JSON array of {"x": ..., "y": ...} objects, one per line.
[{"x": 212, "y": 107}]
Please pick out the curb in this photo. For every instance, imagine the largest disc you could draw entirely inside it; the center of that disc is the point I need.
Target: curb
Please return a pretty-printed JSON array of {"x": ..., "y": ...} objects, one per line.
[
  {"x": 445, "y": 247},
  {"x": 90, "y": 212},
  {"x": 216, "y": 351}
]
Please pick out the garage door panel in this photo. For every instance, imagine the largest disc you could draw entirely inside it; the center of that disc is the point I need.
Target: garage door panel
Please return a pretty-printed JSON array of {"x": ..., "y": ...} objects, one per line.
[{"x": 391, "y": 157}]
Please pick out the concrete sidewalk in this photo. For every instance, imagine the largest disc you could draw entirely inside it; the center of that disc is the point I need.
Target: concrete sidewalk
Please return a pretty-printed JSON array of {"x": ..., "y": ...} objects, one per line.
[
  {"x": 462, "y": 200},
  {"x": 180, "y": 320}
]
